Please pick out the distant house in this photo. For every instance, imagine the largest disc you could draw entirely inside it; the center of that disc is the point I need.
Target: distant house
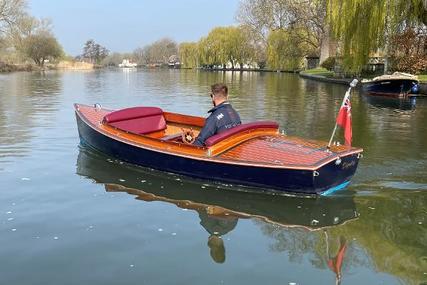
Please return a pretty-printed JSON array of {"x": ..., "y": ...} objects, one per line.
[
  {"x": 173, "y": 61},
  {"x": 375, "y": 65},
  {"x": 126, "y": 63},
  {"x": 311, "y": 61},
  {"x": 253, "y": 65}
]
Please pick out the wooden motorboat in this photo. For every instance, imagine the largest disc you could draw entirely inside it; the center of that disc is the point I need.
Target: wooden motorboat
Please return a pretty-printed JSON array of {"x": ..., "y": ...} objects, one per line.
[
  {"x": 396, "y": 85},
  {"x": 151, "y": 185},
  {"x": 251, "y": 154}
]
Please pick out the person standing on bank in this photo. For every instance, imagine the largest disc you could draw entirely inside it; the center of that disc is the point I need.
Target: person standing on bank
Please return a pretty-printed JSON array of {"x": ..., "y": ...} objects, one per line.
[{"x": 222, "y": 116}]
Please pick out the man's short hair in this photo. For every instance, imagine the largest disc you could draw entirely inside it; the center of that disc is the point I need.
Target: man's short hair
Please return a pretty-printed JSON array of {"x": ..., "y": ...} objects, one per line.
[{"x": 220, "y": 89}]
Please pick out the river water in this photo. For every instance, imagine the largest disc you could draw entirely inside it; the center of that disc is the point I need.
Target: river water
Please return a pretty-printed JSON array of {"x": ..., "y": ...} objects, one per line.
[{"x": 70, "y": 215}]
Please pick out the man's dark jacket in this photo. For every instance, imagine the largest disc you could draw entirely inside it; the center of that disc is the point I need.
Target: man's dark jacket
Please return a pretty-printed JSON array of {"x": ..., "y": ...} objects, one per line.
[{"x": 222, "y": 117}]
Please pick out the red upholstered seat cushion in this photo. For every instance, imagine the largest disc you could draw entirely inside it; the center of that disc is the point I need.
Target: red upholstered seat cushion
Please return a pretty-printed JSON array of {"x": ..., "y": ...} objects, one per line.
[
  {"x": 132, "y": 113},
  {"x": 138, "y": 120},
  {"x": 240, "y": 128}
]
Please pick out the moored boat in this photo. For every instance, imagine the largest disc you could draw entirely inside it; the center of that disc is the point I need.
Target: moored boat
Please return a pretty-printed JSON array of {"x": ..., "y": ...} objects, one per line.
[{"x": 396, "y": 85}]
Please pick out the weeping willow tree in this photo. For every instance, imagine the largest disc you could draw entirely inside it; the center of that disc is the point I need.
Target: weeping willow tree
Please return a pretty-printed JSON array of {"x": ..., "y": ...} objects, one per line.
[
  {"x": 363, "y": 26},
  {"x": 189, "y": 54},
  {"x": 285, "y": 51},
  {"x": 226, "y": 46}
]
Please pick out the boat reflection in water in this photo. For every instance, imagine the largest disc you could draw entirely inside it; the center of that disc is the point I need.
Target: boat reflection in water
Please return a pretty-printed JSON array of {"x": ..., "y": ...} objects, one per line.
[
  {"x": 219, "y": 209},
  {"x": 405, "y": 104}
]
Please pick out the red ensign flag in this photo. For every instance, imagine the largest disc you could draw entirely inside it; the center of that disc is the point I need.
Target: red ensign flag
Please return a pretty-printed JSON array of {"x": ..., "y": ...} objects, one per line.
[{"x": 344, "y": 120}]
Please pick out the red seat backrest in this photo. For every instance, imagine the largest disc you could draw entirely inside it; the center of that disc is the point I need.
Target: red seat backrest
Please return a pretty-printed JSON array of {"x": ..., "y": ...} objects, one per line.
[
  {"x": 138, "y": 120},
  {"x": 132, "y": 113},
  {"x": 240, "y": 128}
]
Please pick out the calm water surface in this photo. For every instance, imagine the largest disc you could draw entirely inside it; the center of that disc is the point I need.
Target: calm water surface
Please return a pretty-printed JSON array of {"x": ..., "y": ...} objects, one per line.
[{"x": 69, "y": 215}]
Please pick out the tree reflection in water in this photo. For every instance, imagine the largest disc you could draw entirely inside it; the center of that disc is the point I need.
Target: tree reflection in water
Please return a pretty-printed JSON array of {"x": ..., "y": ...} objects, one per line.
[{"x": 27, "y": 101}]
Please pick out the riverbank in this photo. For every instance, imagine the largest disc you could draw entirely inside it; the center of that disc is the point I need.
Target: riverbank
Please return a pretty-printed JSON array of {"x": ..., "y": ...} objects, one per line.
[
  {"x": 344, "y": 81},
  {"x": 248, "y": 70},
  {"x": 5, "y": 67},
  {"x": 318, "y": 74},
  {"x": 62, "y": 65},
  {"x": 75, "y": 65}
]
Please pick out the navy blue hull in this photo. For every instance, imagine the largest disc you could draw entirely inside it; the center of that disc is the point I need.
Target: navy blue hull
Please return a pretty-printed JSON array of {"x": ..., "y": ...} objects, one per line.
[
  {"x": 393, "y": 88},
  {"x": 269, "y": 179}
]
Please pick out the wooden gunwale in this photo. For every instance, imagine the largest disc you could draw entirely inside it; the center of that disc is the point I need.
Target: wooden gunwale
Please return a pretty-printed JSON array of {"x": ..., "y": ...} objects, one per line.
[{"x": 191, "y": 151}]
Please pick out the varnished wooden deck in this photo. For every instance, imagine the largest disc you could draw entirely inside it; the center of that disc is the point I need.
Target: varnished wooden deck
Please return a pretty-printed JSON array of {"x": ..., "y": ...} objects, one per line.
[
  {"x": 282, "y": 150},
  {"x": 265, "y": 149}
]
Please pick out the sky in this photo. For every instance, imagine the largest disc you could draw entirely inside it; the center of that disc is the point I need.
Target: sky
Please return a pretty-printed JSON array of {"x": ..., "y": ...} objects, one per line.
[{"x": 124, "y": 25}]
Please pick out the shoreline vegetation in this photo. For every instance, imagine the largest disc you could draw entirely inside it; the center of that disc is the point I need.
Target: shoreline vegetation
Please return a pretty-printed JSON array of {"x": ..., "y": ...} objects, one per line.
[
  {"x": 310, "y": 37},
  {"x": 318, "y": 74},
  {"x": 62, "y": 65}
]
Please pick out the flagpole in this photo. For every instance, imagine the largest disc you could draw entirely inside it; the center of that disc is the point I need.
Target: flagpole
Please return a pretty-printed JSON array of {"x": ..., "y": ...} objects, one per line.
[{"x": 347, "y": 95}]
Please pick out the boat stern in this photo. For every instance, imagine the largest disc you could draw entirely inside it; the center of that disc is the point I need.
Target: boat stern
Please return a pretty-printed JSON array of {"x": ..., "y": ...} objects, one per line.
[{"x": 336, "y": 175}]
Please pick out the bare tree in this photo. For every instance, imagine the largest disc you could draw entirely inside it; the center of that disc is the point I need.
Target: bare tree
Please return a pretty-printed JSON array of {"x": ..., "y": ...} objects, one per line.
[
  {"x": 11, "y": 11},
  {"x": 159, "y": 51},
  {"x": 94, "y": 52},
  {"x": 42, "y": 46},
  {"x": 27, "y": 26},
  {"x": 263, "y": 16},
  {"x": 138, "y": 55}
]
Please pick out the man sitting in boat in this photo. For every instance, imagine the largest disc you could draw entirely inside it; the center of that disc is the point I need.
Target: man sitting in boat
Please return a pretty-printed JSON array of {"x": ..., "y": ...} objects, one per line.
[{"x": 222, "y": 116}]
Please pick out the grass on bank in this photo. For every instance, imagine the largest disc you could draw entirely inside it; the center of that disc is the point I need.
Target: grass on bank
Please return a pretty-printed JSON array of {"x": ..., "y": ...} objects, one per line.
[
  {"x": 319, "y": 71},
  {"x": 422, "y": 78}
]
